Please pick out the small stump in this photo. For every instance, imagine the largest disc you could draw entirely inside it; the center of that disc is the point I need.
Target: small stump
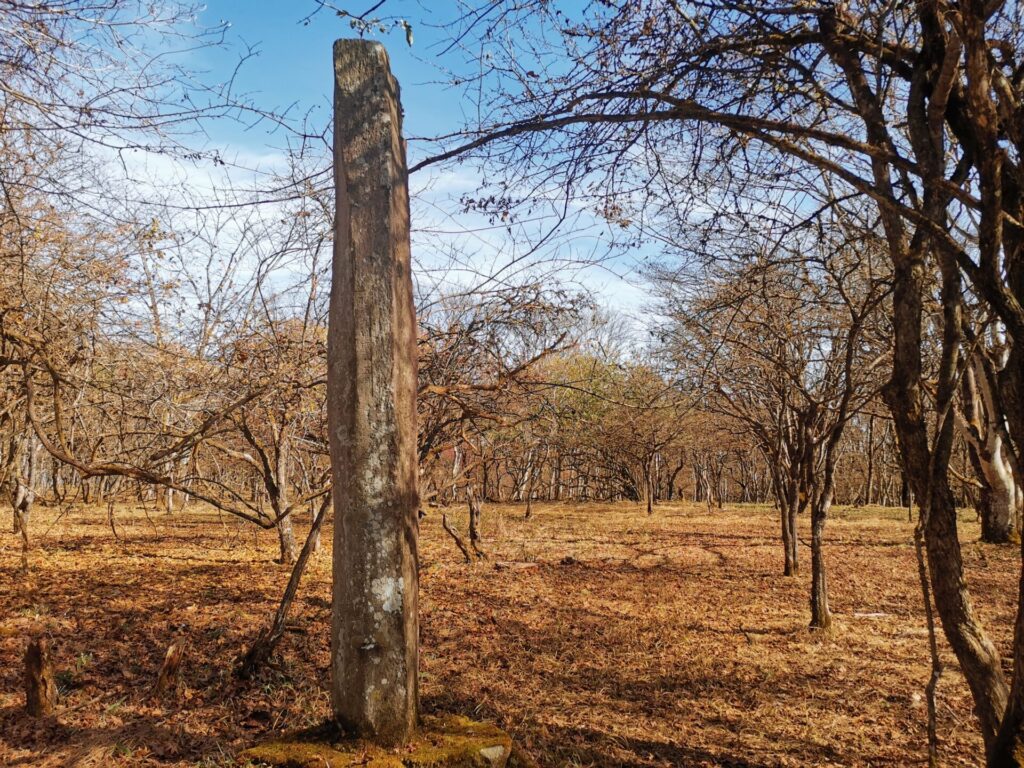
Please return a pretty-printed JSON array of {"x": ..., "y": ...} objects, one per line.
[
  {"x": 440, "y": 742},
  {"x": 40, "y": 687}
]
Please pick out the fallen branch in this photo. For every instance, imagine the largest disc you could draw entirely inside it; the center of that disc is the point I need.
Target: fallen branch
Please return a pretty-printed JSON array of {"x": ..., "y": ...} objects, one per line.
[
  {"x": 455, "y": 536},
  {"x": 262, "y": 648}
]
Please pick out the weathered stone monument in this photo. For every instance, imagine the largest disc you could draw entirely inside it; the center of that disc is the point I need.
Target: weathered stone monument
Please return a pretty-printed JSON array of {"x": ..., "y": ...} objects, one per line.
[
  {"x": 372, "y": 402},
  {"x": 371, "y": 398}
]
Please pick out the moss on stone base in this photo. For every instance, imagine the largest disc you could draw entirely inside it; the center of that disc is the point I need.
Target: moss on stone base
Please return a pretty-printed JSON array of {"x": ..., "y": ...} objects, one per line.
[{"x": 448, "y": 742}]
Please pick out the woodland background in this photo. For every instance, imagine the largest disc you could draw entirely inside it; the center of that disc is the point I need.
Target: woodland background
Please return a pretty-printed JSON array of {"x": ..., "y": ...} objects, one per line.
[{"x": 824, "y": 203}]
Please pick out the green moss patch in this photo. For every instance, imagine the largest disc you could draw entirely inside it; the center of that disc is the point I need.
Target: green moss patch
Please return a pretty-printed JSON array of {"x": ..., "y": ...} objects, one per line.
[{"x": 448, "y": 742}]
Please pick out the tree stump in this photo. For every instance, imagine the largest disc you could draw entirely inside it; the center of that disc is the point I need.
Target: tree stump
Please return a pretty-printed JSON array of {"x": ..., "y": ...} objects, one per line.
[
  {"x": 168, "y": 676},
  {"x": 40, "y": 688}
]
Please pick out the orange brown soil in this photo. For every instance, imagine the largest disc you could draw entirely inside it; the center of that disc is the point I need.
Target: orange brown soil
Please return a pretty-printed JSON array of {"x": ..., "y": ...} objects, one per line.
[{"x": 625, "y": 640}]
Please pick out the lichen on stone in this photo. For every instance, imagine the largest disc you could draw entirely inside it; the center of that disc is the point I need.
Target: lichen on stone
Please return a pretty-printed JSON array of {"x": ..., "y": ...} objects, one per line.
[{"x": 388, "y": 593}]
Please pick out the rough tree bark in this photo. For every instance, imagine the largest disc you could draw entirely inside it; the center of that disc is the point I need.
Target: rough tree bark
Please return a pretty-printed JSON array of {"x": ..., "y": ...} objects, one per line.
[
  {"x": 981, "y": 426},
  {"x": 869, "y": 480},
  {"x": 372, "y": 407},
  {"x": 25, "y": 460},
  {"x": 925, "y": 463},
  {"x": 287, "y": 545},
  {"x": 40, "y": 688},
  {"x": 978, "y": 657},
  {"x": 1008, "y": 747},
  {"x": 648, "y": 486},
  {"x": 474, "y": 524},
  {"x": 821, "y": 616},
  {"x": 529, "y": 492},
  {"x": 789, "y": 506}
]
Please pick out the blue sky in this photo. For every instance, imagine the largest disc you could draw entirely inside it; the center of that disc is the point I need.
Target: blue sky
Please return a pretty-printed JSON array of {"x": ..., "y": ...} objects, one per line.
[
  {"x": 292, "y": 69},
  {"x": 293, "y": 62}
]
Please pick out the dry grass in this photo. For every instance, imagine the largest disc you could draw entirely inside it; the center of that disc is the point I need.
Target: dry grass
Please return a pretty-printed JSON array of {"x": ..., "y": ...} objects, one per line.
[{"x": 626, "y": 641}]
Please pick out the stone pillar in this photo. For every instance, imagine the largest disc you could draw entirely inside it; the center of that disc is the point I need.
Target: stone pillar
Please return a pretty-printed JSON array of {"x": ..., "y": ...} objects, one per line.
[{"x": 371, "y": 397}]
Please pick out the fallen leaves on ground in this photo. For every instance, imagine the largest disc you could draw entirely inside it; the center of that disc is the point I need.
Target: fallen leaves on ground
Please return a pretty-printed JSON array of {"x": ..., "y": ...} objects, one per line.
[{"x": 594, "y": 634}]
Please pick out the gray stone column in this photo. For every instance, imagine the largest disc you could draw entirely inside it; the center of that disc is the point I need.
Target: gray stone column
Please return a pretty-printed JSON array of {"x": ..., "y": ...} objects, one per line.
[{"x": 371, "y": 397}]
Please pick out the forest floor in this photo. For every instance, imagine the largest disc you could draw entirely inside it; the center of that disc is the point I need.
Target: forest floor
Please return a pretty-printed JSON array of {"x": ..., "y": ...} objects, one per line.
[{"x": 596, "y": 635}]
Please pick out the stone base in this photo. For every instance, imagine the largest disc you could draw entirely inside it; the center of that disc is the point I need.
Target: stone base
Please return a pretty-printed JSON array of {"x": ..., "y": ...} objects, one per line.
[{"x": 448, "y": 742}]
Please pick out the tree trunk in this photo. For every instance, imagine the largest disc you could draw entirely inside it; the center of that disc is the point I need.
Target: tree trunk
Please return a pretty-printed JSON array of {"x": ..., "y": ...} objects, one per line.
[
  {"x": 529, "y": 493},
  {"x": 648, "y": 488},
  {"x": 821, "y": 617},
  {"x": 869, "y": 482},
  {"x": 1008, "y": 749},
  {"x": 286, "y": 541},
  {"x": 788, "y": 567},
  {"x": 316, "y": 544},
  {"x": 25, "y": 496},
  {"x": 21, "y": 515},
  {"x": 474, "y": 524},
  {"x": 790, "y": 537},
  {"x": 982, "y": 428},
  {"x": 786, "y": 499},
  {"x": 997, "y": 524},
  {"x": 978, "y": 658},
  {"x": 997, "y": 514}
]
